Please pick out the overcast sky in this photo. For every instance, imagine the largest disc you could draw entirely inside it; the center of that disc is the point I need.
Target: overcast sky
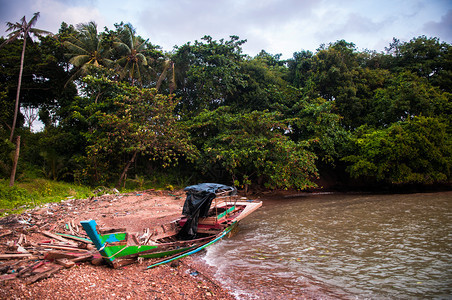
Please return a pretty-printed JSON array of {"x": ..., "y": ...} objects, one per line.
[{"x": 277, "y": 26}]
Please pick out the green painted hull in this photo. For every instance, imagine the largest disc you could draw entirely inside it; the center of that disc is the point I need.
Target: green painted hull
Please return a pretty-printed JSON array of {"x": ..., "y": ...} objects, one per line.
[
  {"x": 112, "y": 252},
  {"x": 114, "y": 246}
]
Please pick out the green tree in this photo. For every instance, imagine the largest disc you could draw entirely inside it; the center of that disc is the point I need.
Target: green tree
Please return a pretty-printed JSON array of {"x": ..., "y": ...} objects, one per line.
[
  {"x": 414, "y": 151},
  {"x": 129, "y": 122},
  {"x": 261, "y": 76},
  {"x": 428, "y": 58},
  {"x": 313, "y": 121},
  {"x": 333, "y": 70},
  {"x": 138, "y": 60},
  {"x": 404, "y": 96},
  {"x": 300, "y": 68},
  {"x": 207, "y": 72},
  {"x": 252, "y": 148}
]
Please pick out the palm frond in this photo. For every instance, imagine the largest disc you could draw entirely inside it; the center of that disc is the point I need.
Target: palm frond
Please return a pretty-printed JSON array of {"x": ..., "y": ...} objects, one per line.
[
  {"x": 11, "y": 38},
  {"x": 142, "y": 59},
  {"x": 142, "y": 46},
  {"x": 79, "y": 60},
  {"x": 40, "y": 32},
  {"x": 76, "y": 49},
  {"x": 13, "y": 26},
  {"x": 121, "y": 47},
  {"x": 33, "y": 20}
]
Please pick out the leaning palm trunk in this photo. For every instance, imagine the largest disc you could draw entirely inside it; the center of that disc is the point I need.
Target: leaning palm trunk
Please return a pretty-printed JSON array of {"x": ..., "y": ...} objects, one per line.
[
  {"x": 20, "y": 29},
  {"x": 19, "y": 83},
  {"x": 16, "y": 159}
]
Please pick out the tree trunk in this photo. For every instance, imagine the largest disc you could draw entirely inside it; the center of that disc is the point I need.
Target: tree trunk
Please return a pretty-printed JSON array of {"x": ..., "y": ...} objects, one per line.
[
  {"x": 126, "y": 168},
  {"x": 16, "y": 159},
  {"x": 16, "y": 109}
]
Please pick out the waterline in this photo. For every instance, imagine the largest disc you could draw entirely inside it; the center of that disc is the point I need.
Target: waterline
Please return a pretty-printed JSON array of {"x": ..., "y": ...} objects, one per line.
[{"x": 342, "y": 246}]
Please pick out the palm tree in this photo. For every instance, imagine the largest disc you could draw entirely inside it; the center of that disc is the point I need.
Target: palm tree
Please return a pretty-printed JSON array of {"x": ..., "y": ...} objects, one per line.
[
  {"x": 87, "y": 48},
  {"x": 24, "y": 30},
  {"x": 131, "y": 49}
]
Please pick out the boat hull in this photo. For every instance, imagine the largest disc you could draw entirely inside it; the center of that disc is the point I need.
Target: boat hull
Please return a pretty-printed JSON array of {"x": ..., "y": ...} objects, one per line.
[{"x": 118, "y": 245}]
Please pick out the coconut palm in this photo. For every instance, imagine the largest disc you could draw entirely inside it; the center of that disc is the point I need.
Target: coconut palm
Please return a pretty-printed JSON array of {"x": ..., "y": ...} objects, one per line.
[
  {"x": 131, "y": 50},
  {"x": 87, "y": 48},
  {"x": 22, "y": 29}
]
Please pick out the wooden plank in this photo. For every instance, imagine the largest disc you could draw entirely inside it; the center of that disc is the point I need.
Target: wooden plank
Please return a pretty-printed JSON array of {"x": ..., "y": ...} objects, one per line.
[
  {"x": 43, "y": 275},
  {"x": 65, "y": 262},
  {"x": 51, "y": 255},
  {"x": 25, "y": 272},
  {"x": 17, "y": 256},
  {"x": 250, "y": 207},
  {"x": 8, "y": 232},
  {"x": 208, "y": 230},
  {"x": 62, "y": 247},
  {"x": 117, "y": 263},
  {"x": 83, "y": 258},
  {"x": 21, "y": 239},
  {"x": 75, "y": 238},
  {"x": 5, "y": 277},
  {"x": 208, "y": 221},
  {"x": 59, "y": 238},
  {"x": 69, "y": 226},
  {"x": 163, "y": 235}
]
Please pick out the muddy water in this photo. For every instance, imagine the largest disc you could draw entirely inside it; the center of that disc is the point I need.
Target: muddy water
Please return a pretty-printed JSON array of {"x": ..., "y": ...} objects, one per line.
[{"x": 341, "y": 246}]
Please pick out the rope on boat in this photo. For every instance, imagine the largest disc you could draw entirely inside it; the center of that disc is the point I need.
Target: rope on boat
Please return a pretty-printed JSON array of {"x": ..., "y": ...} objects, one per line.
[
  {"x": 112, "y": 254},
  {"x": 226, "y": 231}
]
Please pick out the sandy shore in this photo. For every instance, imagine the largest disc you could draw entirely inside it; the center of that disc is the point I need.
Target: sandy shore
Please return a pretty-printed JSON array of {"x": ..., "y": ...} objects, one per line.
[{"x": 188, "y": 278}]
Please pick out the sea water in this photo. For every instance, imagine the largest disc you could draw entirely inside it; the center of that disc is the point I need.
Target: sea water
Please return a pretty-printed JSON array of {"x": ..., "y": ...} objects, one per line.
[{"x": 343, "y": 246}]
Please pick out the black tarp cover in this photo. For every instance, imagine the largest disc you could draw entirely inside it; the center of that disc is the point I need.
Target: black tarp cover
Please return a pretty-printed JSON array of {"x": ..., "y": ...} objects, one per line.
[{"x": 197, "y": 204}]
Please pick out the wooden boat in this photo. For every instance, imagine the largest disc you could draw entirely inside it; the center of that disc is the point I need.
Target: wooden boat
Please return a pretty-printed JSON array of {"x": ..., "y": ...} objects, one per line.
[{"x": 211, "y": 211}]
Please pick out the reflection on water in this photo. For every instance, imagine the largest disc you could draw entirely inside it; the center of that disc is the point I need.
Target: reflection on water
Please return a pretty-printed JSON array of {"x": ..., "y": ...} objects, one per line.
[{"x": 342, "y": 246}]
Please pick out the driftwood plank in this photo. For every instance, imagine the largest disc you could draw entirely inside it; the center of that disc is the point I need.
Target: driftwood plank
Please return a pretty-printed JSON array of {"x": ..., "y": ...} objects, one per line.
[
  {"x": 59, "y": 238},
  {"x": 17, "y": 256},
  {"x": 8, "y": 232},
  {"x": 75, "y": 238},
  {"x": 117, "y": 263},
  {"x": 5, "y": 277},
  {"x": 26, "y": 271},
  {"x": 65, "y": 262},
  {"x": 82, "y": 258},
  {"x": 61, "y": 247},
  {"x": 54, "y": 254},
  {"x": 43, "y": 275}
]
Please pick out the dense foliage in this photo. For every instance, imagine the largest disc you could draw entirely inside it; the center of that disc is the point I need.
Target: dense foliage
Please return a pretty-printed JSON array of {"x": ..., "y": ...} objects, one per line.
[{"x": 116, "y": 109}]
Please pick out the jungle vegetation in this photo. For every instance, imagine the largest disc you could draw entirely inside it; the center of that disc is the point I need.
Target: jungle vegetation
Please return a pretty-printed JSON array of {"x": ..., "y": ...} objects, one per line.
[{"x": 117, "y": 110}]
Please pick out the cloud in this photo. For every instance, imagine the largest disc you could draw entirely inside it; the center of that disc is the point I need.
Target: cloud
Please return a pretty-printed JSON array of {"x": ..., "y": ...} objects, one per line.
[
  {"x": 257, "y": 21},
  {"x": 8, "y": 8},
  {"x": 442, "y": 28},
  {"x": 52, "y": 13},
  {"x": 277, "y": 26}
]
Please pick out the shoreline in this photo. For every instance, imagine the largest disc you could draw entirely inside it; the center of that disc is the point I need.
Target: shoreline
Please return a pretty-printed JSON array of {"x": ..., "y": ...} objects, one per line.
[{"x": 188, "y": 278}]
